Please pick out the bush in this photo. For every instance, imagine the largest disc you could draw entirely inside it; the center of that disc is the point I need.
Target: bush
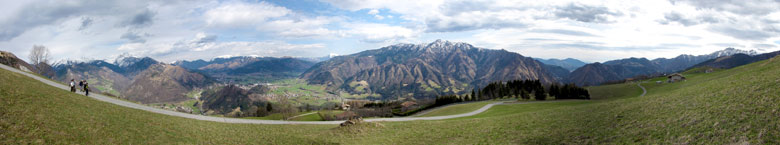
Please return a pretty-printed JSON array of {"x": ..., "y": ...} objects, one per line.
[
  {"x": 374, "y": 112},
  {"x": 331, "y": 116}
]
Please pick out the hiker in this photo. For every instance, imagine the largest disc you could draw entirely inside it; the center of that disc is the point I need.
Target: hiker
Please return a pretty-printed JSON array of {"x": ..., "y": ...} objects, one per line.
[
  {"x": 81, "y": 85},
  {"x": 86, "y": 89},
  {"x": 72, "y": 86}
]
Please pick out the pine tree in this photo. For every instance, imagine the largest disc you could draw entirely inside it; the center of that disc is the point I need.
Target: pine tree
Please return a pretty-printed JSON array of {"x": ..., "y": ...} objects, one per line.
[
  {"x": 525, "y": 95},
  {"x": 539, "y": 95},
  {"x": 472, "y": 95}
]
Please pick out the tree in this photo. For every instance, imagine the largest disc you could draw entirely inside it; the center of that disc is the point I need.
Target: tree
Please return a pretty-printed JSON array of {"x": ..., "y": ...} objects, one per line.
[
  {"x": 269, "y": 107},
  {"x": 525, "y": 95},
  {"x": 539, "y": 95},
  {"x": 285, "y": 107},
  {"x": 39, "y": 58},
  {"x": 554, "y": 90},
  {"x": 471, "y": 98},
  {"x": 260, "y": 112}
]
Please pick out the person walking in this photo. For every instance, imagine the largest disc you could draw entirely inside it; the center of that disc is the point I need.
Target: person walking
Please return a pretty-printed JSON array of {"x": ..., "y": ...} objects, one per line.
[
  {"x": 81, "y": 85},
  {"x": 86, "y": 89},
  {"x": 72, "y": 86}
]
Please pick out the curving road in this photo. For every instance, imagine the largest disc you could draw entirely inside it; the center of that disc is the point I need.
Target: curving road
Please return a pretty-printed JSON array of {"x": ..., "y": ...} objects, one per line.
[
  {"x": 123, "y": 103},
  {"x": 644, "y": 91}
]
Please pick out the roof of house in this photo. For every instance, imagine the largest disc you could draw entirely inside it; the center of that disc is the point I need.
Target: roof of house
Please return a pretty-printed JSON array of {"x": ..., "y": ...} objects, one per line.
[
  {"x": 408, "y": 103},
  {"x": 675, "y": 74}
]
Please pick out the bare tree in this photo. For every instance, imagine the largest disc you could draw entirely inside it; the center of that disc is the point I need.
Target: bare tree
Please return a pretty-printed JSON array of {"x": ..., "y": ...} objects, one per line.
[
  {"x": 285, "y": 107},
  {"x": 39, "y": 58}
]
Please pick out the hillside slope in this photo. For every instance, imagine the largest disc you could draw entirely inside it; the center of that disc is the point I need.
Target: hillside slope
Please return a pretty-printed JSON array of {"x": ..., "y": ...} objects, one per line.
[
  {"x": 10, "y": 59},
  {"x": 164, "y": 83},
  {"x": 737, "y": 106}
]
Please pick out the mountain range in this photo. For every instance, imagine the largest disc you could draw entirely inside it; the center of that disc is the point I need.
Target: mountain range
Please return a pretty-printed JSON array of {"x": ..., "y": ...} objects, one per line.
[
  {"x": 143, "y": 79},
  {"x": 426, "y": 70},
  {"x": 247, "y": 69},
  {"x": 597, "y": 73},
  {"x": 727, "y": 62},
  {"x": 570, "y": 64},
  {"x": 395, "y": 71}
]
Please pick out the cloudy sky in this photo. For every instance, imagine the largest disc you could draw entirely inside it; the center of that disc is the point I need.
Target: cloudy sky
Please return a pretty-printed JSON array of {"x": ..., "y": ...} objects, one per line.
[{"x": 587, "y": 30}]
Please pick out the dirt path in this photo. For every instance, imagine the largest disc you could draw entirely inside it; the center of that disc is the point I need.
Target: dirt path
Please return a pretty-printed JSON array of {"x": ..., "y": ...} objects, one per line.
[
  {"x": 644, "y": 91},
  {"x": 296, "y": 116}
]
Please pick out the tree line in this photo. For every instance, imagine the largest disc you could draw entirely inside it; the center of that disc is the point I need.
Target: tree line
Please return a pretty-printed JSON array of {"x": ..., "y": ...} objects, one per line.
[{"x": 519, "y": 89}]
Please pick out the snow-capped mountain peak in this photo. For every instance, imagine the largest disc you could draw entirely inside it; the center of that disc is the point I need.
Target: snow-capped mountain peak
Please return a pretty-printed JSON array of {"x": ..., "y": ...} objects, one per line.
[{"x": 731, "y": 51}]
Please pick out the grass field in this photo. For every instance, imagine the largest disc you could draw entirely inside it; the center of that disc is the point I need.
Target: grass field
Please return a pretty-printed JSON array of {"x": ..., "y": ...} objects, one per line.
[
  {"x": 736, "y": 106},
  {"x": 614, "y": 91},
  {"x": 309, "y": 117},
  {"x": 275, "y": 116},
  {"x": 457, "y": 109}
]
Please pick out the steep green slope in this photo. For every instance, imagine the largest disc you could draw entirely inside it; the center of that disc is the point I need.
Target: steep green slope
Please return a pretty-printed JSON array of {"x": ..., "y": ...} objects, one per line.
[{"x": 741, "y": 105}]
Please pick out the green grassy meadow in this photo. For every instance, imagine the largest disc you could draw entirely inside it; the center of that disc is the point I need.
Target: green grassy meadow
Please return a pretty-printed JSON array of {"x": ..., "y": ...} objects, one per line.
[
  {"x": 457, "y": 109},
  {"x": 736, "y": 106}
]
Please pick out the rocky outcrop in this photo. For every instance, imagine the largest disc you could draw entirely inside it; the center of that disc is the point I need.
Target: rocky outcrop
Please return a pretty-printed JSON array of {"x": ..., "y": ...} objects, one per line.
[{"x": 10, "y": 59}]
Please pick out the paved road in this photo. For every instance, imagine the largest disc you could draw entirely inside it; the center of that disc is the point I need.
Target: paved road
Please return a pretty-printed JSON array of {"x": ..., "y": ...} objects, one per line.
[
  {"x": 233, "y": 120},
  {"x": 644, "y": 91}
]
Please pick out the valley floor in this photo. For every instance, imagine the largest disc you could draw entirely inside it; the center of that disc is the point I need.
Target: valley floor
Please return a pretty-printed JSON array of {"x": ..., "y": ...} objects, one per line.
[{"x": 740, "y": 105}]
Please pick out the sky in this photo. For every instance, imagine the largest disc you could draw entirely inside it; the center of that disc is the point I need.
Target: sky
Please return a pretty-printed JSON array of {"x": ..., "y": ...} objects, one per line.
[{"x": 592, "y": 31}]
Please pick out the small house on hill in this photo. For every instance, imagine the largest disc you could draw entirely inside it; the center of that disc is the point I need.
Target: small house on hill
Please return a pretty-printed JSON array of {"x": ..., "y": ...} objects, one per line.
[
  {"x": 345, "y": 107},
  {"x": 676, "y": 77},
  {"x": 408, "y": 104}
]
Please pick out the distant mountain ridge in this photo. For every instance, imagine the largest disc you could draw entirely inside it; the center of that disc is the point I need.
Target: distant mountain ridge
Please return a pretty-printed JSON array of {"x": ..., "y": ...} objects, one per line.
[
  {"x": 425, "y": 70},
  {"x": 141, "y": 79},
  {"x": 597, "y": 73},
  {"x": 727, "y": 62},
  {"x": 164, "y": 83},
  {"x": 570, "y": 64},
  {"x": 238, "y": 68}
]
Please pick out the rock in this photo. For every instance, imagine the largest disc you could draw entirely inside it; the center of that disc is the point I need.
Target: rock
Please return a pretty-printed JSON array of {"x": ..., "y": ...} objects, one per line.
[
  {"x": 11, "y": 60},
  {"x": 352, "y": 121},
  {"x": 184, "y": 109}
]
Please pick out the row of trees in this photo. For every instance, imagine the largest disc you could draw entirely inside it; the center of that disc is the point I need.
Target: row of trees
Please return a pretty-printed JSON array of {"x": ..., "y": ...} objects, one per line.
[
  {"x": 568, "y": 91},
  {"x": 516, "y": 88},
  {"x": 447, "y": 99},
  {"x": 521, "y": 89}
]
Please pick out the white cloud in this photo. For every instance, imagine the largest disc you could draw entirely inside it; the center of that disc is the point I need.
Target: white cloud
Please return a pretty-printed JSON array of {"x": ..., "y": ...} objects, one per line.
[
  {"x": 267, "y": 17},
  {"x": 373, "y": 12},
  {"x": 204, "y": 46},
  {"x": 238, "y": 14},
  {"x": 379, "y": 17},
  {"x": 619, "y": 28},
  {"x": 602, "y": 29},
  {"x": 381, "y": 33}
]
